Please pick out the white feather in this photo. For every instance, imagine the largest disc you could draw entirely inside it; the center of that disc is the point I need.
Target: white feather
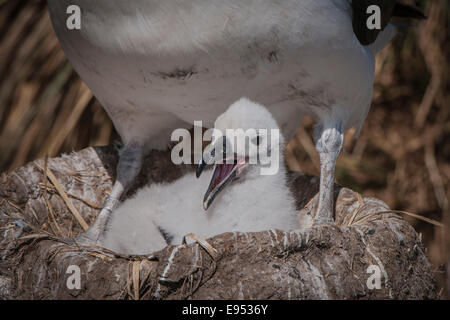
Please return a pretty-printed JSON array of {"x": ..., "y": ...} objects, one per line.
[
  {"x": 252, "y": 203},
  {"x": 160, "y": 65}
]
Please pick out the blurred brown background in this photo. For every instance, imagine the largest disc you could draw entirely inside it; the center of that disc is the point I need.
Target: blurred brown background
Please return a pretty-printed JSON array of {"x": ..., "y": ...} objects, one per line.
[{"x": 401, "y": 157}]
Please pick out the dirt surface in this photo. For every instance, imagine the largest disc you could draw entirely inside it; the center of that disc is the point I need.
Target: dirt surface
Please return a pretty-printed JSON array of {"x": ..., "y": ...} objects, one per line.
[{"x": 329, "y": 262}]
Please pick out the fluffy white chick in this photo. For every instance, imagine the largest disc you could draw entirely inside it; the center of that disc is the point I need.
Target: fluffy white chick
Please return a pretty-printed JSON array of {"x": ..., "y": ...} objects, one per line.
[{"x": 240, "y": 196}]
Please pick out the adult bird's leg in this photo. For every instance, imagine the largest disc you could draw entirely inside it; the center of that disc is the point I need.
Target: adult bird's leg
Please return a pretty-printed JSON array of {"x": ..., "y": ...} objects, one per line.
[
  {"x": 130, "y": 164},
  {"x": 329, "y": 142}
]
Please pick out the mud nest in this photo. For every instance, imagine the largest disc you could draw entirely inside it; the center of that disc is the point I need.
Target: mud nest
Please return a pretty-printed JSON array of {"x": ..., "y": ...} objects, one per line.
[{"x": 40, "y": 214}]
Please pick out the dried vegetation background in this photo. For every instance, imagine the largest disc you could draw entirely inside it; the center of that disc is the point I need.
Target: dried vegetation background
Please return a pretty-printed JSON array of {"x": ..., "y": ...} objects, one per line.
[{"x": 402, "y": 156}]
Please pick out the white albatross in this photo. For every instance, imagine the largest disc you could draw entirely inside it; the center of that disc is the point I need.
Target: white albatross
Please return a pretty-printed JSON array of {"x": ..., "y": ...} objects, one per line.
[
  {"x": 239, "y": 197},
  {"x": 160, "y": 65}
]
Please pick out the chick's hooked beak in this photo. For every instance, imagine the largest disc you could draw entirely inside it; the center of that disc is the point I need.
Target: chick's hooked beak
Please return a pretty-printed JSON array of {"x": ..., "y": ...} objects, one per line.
[{"x": 225, "y": 171}]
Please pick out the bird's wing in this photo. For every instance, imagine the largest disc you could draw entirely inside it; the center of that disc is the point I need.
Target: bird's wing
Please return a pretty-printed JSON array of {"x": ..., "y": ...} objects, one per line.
[{"x": 389, "y": 9}]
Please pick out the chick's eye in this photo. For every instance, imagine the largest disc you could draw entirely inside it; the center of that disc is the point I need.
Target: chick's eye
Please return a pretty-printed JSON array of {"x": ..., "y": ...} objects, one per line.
[{"x": 257, "y": 140}]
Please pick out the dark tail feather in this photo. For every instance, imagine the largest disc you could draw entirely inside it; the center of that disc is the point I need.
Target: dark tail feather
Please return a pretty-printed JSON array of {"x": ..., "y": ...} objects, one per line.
[{"x": 408, "y": 11}]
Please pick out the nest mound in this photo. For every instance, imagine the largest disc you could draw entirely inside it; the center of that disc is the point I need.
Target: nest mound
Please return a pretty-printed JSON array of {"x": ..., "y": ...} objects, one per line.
[{"x": 40, "y": 212}]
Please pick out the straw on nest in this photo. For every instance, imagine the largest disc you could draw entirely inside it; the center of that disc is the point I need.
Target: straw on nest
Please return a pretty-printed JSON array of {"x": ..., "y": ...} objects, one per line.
[{"x": 40, "y": 212}]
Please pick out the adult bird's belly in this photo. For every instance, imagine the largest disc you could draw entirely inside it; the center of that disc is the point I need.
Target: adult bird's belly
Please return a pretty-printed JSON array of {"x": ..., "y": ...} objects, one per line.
[{"x": 163, "y": 63}]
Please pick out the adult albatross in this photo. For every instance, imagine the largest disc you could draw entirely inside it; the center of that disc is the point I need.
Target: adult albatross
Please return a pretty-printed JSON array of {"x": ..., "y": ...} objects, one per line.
[{"x": 160, "y": 65}]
